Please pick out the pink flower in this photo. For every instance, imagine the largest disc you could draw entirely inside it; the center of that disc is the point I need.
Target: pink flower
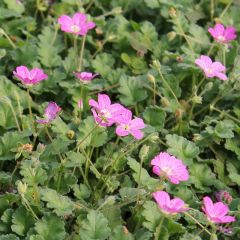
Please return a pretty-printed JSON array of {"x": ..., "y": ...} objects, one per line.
[
  {"x": 127, "y": 125},
  {"x": 50, "y": 113},
  {"x": 221, "y": 34},
  {"x": 105, "y": 113},
  {"x": 170, "y": 167},
  {"x": 85, "y": 77},
  {"x": 216, "y": 212},
  {"x": 77, "y": 25},
  {"x": 167, "y": 206},
  {"x": 29, "y": 77},
  {"x": 210, "y": 68},
  {"x": 80, "y": 104}
]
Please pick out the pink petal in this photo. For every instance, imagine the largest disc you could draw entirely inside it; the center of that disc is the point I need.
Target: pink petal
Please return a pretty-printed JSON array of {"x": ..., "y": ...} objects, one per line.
[
  {"x": 91, "y": 25},
  {"x": 227, "y": 219},
  {"x": 220, "y": 209},
  {"x": 93, "y": 103},
  {"x": 208, "y": 206},
  {"x": 137, "y": 123},
  {"x": 219, "y": 29},
  {"x": 79, "y": 19},
  {"x": 120, "y": 131},
  {"x": 218, "y": 67},
  {"x": 222, "y": 76},
  {"x": 103, "y": 101},
  {"x": 162, "y": 198},
  {"x": 230, "y": 33},
  {"x": 156, "y": 170},
  {"x": 137, "y": 134}
]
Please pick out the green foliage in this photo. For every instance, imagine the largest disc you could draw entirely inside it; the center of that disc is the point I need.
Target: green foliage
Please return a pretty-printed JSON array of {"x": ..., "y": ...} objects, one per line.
[
  {"x": 80, "y": 181},
  {"x": 95, "y": 227},
  {"x": 131, "y": 90},
  {"x": 61, "y": 205},
  {"x": 49, "y": 227},
  {"x": 182, "y": 148}
]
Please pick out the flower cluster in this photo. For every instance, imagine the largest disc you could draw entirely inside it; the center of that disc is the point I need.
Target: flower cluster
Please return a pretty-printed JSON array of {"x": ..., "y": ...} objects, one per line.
[
  {"x": 216, "y": 69},
  {"x": 173, "y": 169},
  {"x": 106, "y": 114}
]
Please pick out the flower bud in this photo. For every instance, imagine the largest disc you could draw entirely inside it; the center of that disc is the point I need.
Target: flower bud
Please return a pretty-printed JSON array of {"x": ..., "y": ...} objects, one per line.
[
  {"x": 172, "y": 12},
  {"x": 144, "y": 151},
  {"x": 208, "y": 86},
  {"x": 156, "y": 64},
  {"x": 179, "y": 59},
  {"x": 165, "y": 102},
  {"x": 197, "y": 99},
  {"x": 21, "y": 187},
  {"x": 70, "y": 134},
  {"x": 171, "y": 35},
  {"x": 223, "y": 196},
  {"x": 150, "y": 78}
]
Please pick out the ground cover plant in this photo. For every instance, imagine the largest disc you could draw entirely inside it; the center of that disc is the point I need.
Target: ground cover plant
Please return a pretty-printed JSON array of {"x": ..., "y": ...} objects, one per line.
[{"x": 119, "y": 120}]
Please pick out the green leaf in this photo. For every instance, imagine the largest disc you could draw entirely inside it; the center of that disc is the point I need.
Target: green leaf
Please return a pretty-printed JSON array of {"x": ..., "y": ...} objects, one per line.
[
  {"x": 16, "y": 7},
  {"x": 152, "y": 215},
  {"x": 33, "y": 173},
  {"x": 103, "y": 64},
  {"x": 48, "y": 52},
  {"x": 142, "y": 174},
  {"x": 155, "y": 116},
  {"x": 121, "y": 233},
  {"x": 22, "y": 221},
  {"x": 9, "y": 237},
  {"x": 9, "y": 143},
  {"x": 61, "y": 205},
  {"x": 224, "y": 129},
  {"x": 95, "y": 227},
  {"x": 50, "y": 227},
  {"x": 97, "y": 138},
  {"x": 202, "y": 176},
  {"x": 189, "y": 236},
  {"x": 131, "y": 90},
  {"x": 234, "y": 174},
  {"x": 181, "y": 148}
]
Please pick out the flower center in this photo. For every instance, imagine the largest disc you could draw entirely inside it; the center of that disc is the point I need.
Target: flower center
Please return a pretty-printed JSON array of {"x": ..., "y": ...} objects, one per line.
[
  {"x": 105, "y": 114},
  {"x": 167, "y": 170},
  {"x": 209, "y": 70},
  {"x": 221, "y": 38},
  {"x": 126, "y": 127},
  {"x": 75, "y": 28}
]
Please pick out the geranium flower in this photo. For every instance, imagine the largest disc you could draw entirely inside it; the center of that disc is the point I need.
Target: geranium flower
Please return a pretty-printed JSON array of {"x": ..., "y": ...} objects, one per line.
[
  {"x": 29, "y": 77},
  {"x": 216, "y": 212},
  {"x": 170, "y": 167},
  {"x": 77, "y": 25},
  {"x": 105, "y": 113},
  {"x": 50, "y": 113},
  {"x": 85, "y": 77},
  {"x": 127, "y": 125},
  {"x": 222, "y": 34},
  {"x": 168, "y": 206},
  {"x": 210, "y": 68}
]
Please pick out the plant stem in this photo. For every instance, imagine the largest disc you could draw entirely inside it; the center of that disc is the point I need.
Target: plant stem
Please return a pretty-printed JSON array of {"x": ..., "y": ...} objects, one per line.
[
  {"x": 158, "y": 229},
  {"x": 9, "y": 39},
  {"x": 226, "y": 114},
  {"x": 197, "y": 222},
  {"x": 92, "y": 130},
  {"x": 15, "y": 117},
  {"x": 121, "y": 156},
  {"x": 81, "y": 53},
  {"x": 29, "y": 207},
  {"x": 30, "y": 108},
  {"x": 167, "y": 85}
]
